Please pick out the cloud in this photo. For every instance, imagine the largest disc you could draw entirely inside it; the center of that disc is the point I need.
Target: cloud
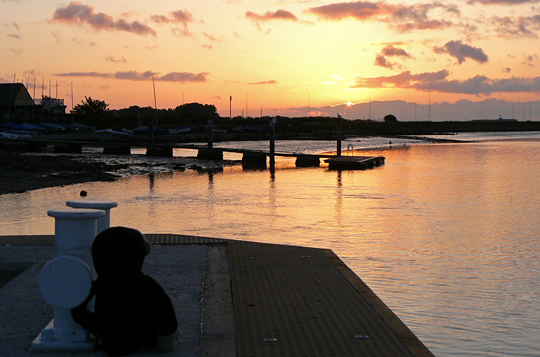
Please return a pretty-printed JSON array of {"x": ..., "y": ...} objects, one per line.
[
  {"x": 211, "y": 37},
  {"x": 278, "y": 15},
  {"x": 14, "y": 24},
  {"x": 482, "y": 85},
  {"x": 501, "y": 2},
  {"x": 179, "y": 17},
  {"x": 506, "y": 69},
  {"x": 112, "y": 59},
  {"x": 17, "y": 51},
  {"x": 390, "y": 50},
  {"x": 403, "y": 18},
  {"x": 57, "y": 37},
  {"x": 437, "y": 81},
  {"x": 529, "y": 60},
  {"x": 403, "y": 80},
  {"x": 381, "y": 61},
  {"x": 180, "y": 77},
  {"x": 181, "y": 32},
  {"x": 264, "y": 82},
  {"x": 516, "y": 27},
  {"x": 359, "y": 10},
  {"x": 282, "y": 15},
  {"x": 14, "y": 35},
  {"x": 183, "y": 77},
  {"x": 462, "y": 51},
  {"x": 80, "y": 14}
]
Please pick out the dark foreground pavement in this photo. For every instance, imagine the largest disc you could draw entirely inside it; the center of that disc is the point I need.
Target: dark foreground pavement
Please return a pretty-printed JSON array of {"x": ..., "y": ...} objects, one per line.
[{"x": 232, "y": 298}]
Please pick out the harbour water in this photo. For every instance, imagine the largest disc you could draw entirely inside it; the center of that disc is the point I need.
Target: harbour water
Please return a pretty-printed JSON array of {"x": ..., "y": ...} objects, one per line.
[{"x": 447, "y": 235}]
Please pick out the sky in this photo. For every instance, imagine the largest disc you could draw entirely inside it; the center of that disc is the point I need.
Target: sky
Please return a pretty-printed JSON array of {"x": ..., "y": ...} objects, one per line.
[{"x": 292, "y": 58}]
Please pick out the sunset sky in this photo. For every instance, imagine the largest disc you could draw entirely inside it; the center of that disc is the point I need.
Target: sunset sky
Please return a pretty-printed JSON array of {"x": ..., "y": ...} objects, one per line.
[{"x": 281, "y": 57}]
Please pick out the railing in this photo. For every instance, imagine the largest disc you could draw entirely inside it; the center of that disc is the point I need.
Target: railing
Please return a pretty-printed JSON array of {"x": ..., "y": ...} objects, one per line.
[{"x": 49, "y": 102}]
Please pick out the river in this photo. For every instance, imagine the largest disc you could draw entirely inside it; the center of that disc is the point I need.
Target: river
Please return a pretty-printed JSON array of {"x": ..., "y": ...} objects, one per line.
[{"x": 447, "y": 235}]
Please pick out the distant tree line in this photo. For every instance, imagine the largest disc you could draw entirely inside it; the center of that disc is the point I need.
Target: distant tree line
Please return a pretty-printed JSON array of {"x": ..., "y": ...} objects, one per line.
[{"x": 96, "y": 113}]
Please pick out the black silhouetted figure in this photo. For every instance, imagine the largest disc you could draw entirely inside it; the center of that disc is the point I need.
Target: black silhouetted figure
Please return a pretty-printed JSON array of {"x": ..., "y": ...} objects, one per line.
[{"x": 131, "y": 309}]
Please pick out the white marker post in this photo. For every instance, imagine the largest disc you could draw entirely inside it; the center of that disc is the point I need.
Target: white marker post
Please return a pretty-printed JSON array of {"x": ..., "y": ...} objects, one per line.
[
  {"x": 103, "y": 222},
  {"x": 65, "y": 281}
]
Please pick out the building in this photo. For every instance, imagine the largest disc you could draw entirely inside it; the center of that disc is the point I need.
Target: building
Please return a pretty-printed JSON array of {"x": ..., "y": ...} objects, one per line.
[{"x": 17, "y": 105}]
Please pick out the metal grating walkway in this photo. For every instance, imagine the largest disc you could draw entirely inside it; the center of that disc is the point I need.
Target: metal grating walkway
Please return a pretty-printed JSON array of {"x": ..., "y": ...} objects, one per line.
[
  {"x": 294, "y": 301},
  {"x": 155, "y": 239}
]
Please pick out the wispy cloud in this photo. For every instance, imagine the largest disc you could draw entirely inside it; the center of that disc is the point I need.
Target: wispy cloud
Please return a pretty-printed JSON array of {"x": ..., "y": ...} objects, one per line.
[
  {"x": 268, "y": 16},
  {"x": 403, "y": 18},
  {"x": 264, "y": 82},
  {"x": 211, "y": 37},
  {"x": 437, "y": 81},
  {"x": 14, "y": 24},
  {"x": 14, "y": 35},
  {"x": 391, "y": 51},
  {"x": 115, "y": 60},
  {"x": 529, "y": 60},
  {"x": 80, "y": 14},
  {"x": 181, "y": 77},
  {"x": 516, "y": 27},
  {"x": 17, "y": 51},
  {"x": 501, "y": 2},
  {"x": 461, "y": 51},
  {"x": 183, "y": 17},
  {"x": 178, "y": 17},
  {"x": 382, "y": 61},
  {"x": 403, "y": 80},
  {"x": 281, "y": 15}
]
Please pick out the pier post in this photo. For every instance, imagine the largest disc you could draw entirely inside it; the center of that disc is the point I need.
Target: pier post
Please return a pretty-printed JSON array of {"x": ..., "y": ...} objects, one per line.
[
  {"x": 210, "y": 154},
  {"x": 254, "y": 160},
  {"x": 210, "y": 134},
  {"x": 308, "y": 161},
  {"x": 340, "y": 127},
  {"x": 117, "y": 150},
  {"x": 272, "y": 143},
  {"x": 160, "y": 151}
]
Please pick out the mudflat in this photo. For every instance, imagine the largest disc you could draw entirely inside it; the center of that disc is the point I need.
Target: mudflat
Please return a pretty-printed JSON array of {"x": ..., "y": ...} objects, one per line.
[{"x": 21, "y": 171}]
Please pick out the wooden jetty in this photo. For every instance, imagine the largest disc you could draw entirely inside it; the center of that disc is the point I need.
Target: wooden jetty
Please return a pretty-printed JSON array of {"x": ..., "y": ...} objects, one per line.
[
  {"x": 250, "y": 158},
  {"x": 354, "y": 162}
]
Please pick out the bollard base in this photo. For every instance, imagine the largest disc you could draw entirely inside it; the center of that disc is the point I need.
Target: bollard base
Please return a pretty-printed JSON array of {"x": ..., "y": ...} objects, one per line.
[{"x": 47, "y": 341}]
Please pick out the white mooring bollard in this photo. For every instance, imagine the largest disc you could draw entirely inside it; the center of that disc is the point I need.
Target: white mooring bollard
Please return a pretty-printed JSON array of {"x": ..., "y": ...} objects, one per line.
[
  {"x": 103, "y": 222},
  {"x": 65, "y": 281}
]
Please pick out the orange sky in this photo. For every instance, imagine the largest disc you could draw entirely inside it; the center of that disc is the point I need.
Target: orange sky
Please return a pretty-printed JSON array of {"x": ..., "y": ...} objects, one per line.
[{"x": 273, "y": 55}]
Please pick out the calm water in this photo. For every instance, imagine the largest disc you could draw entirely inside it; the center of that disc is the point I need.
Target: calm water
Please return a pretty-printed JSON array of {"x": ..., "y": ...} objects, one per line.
[{"x": 446, "y": 234}]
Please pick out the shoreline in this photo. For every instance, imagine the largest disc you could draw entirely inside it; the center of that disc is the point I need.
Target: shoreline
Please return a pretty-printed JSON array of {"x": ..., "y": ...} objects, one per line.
[{"x": 23, "y": 171}]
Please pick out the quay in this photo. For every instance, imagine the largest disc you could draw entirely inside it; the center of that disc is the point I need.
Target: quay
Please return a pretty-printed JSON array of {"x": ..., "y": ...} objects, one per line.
[
  {"x": 250, "y": 158},
  {"x": 232, "y": 298}
]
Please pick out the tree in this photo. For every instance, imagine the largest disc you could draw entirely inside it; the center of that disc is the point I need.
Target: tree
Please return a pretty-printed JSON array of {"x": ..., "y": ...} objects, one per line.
[
  {"x": 390, "y": 118},
  {"x": 195, "y": 113},
  {"x": 93, "y": 108}
]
